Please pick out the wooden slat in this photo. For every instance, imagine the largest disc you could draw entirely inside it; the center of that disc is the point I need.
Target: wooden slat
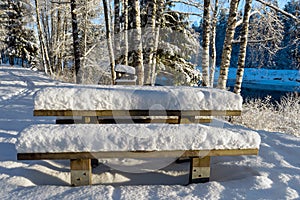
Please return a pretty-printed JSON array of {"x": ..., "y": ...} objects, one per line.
[
  {"x": 134, "y": 154},
  {"x": 131, "y": 120},
  {"x": 118, "y": 113}
]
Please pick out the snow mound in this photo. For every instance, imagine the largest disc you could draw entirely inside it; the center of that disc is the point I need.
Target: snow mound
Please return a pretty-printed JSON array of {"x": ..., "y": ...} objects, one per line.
[
  {"x": 136, "y": 97},
  {"x": 133, "y": 137}
]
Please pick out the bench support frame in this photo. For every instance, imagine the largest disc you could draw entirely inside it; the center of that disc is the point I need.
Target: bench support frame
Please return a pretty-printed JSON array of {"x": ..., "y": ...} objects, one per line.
[
  {"x": 199, "y": 169},
  {"x": 81, "y": 172}
]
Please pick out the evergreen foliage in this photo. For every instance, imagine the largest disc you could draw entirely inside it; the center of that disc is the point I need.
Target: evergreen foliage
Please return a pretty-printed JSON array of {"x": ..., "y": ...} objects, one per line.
[{"x": 20, "y": 40}]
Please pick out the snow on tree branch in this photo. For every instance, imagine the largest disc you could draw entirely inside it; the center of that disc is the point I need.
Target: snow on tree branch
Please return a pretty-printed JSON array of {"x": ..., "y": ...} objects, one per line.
[{"x": 279, "y": 10}]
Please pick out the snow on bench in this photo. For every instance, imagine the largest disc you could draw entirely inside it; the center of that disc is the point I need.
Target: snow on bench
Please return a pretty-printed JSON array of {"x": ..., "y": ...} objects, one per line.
[
  {"x": 82, "y": 142},
  {"x": 186, "y": 104},
  {"x": 136, "y": 98}
]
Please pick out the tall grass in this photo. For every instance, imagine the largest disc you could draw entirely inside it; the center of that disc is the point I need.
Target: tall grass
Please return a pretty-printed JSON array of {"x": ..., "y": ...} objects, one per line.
[{"x": 263, "y": 114}]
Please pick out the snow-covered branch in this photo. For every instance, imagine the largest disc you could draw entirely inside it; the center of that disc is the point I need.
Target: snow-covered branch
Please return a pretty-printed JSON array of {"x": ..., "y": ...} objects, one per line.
[
  {"x": 240, "y": 22},
  {"x": 254, "y": 41},
  {"x": 279, "y": 10},
  {"x": 185, "y": 13}
]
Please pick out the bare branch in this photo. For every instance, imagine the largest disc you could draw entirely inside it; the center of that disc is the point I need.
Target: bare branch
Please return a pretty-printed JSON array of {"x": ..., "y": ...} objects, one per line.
[
  {"x": 189, "y": 3},
  {"x": 279, "y": 10},
  {"x": 184, "y": 13},
  {"x": 254, "y": 41}
]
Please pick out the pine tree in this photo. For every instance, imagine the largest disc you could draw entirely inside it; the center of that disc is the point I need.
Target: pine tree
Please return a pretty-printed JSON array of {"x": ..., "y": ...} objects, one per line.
[
  {"x": 289, "y": 56},
  {"x": 20, "y": 40}
]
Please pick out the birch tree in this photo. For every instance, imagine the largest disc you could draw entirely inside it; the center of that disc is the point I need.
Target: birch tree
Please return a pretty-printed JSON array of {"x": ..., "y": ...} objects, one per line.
[
  {"x": 213, "y": 43},
  {"x": 138, "y": 47},
  {"x": 150, "y": 40},
  {"x": 159, "y": 17},
  {"x": 125, "y": 32},
  {"x": 205, "y": 43},
  {"x": 109, "y": 41},
  {"x": 117, "y": 29},
  {"x": 227, "y": 47},
  {"x": 243, "y": 47}
]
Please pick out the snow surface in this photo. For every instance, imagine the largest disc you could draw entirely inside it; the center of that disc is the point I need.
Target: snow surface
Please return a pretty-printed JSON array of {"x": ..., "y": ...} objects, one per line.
[
  {"x": 125, "y": 69},
  {"x": 136, "y": 97},
  {"x": 133, "y": 137},
  {"x": 274, "y": 174}
]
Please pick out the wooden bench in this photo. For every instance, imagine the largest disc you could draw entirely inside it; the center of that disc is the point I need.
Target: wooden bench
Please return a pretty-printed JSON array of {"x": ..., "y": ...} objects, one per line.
[{"x": 80, "y": 162}]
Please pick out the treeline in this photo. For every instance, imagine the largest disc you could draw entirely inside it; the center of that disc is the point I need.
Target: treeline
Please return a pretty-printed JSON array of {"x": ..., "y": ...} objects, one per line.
[
  {"x": 273, "y": 40},
  {"x": 83, "y": 40}
]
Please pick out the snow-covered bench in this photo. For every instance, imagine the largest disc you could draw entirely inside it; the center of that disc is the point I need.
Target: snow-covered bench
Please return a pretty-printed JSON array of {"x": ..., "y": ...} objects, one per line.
[{"x": 174, "y": 114}]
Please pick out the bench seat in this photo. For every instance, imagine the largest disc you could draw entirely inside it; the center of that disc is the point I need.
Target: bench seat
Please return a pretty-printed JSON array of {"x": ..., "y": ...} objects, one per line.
[{"x": 80, "y": 143}]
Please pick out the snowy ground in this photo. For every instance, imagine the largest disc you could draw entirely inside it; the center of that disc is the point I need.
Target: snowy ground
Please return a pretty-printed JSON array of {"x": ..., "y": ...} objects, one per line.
[{"x": 274, "y": 174}]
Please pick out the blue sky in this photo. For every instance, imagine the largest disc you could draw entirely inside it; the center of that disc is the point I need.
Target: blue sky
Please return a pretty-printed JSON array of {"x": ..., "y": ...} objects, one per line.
[{"x": 184, "y": 8}]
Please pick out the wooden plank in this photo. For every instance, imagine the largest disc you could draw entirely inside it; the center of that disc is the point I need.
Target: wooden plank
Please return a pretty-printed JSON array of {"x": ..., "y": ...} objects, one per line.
[
  {"x": 117, "y": 113},
  {"x": 149, "y": 120},
  {"x": 135, "y": 154}
]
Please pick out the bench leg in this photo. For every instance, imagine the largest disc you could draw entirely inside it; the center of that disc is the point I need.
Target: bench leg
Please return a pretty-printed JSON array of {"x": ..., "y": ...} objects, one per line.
[
  {"x": 199, "y": 170},
  {"x": 81, "y": 172}
]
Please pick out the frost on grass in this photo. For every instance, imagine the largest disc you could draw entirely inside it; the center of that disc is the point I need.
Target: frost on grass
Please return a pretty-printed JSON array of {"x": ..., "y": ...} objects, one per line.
[{"x": 262, "y": 114}]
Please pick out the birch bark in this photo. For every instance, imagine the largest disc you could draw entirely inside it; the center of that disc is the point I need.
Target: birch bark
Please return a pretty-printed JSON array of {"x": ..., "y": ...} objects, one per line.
[
  {"x": 117, "y": 29},
  {"x": 125, "y": 32},
  {"x": 46, "y": 60},
  {"x": 243, "y": 48},
  {"x": 205, "y": 44},
  {"x": 227, "y": 47},
  {"x": 138, "y": 47},
  {"x": 109, "y": 42},
  {"x": 150, "y": 39},
  {"x": 159, "y": 17},
  {"x": 213, "y": 44}
]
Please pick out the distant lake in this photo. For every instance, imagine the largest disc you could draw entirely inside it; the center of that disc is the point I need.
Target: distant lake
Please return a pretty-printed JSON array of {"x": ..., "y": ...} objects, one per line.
[{"x": 262, "y": 91}]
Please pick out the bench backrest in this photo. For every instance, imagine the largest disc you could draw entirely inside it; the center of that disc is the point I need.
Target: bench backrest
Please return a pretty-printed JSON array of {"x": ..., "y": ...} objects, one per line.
[{"x": 108, "y": 104}]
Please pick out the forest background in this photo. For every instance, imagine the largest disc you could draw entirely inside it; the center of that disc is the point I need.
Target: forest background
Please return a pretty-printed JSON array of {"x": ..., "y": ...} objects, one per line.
[{"x": 83, "y": 40}]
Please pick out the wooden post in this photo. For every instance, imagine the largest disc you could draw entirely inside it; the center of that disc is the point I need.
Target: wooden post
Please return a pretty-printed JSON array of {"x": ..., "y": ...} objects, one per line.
[
  {"x": 81, "y": 172},
  {"x": 199, "y": 169},
  {"x": 90, "y": 120}
]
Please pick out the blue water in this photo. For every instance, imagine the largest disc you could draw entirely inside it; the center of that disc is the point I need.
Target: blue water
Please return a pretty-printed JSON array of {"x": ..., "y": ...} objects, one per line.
[{"x": 254, "y": 93}]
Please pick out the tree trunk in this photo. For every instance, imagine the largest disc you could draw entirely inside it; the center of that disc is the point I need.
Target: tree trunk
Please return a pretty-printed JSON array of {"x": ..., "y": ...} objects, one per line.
[
  {"x": 213, "y": 44},
  {"x": 159, "y": 16},
  {"x": 125, "y": 32},
  {"x": 205, "y": 44},
  {"x": 109, "y": 42},
  {"x": 243, "y": 48},
  {"x": 44, "y": 50},
  {"x": 117, "y": 30},
  {"x": 150, "y": 42},
  {"x": 227, "y": 47},
  {"x": 138, "y": 47},
  {"x": 76, "y": 46}
]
